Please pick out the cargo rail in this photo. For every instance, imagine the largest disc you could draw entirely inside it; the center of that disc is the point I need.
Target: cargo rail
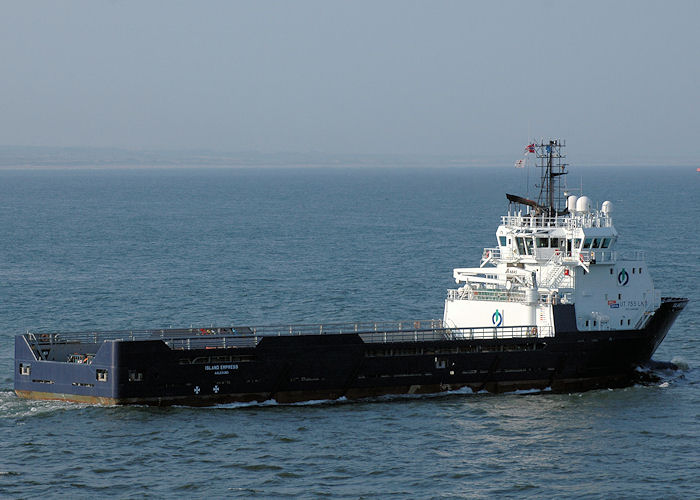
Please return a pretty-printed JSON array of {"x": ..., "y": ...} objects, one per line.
[{"x": 249, "y": 336}]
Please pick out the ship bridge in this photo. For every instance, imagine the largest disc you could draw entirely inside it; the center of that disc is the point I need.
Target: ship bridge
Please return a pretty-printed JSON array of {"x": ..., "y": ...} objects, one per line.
[{"x": 580, "y": 235}]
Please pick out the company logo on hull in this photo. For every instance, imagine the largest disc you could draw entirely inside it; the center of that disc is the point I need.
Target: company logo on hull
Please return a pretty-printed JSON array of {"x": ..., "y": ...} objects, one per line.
[
  {"x": 497, "y": 318},
  {"x": 623, "y": 277}
]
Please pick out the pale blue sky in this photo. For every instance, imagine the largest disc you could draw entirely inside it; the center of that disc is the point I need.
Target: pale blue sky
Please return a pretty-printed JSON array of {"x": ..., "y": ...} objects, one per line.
[{"x": 616, "y": 79}]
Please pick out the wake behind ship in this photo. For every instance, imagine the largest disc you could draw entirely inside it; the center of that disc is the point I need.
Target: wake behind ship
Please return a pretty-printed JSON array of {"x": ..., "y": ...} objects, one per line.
[{"x": 553, "y": 305}]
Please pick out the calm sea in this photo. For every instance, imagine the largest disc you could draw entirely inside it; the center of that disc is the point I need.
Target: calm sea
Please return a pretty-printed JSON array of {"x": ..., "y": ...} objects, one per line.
[{"x": 141, "y": 248}]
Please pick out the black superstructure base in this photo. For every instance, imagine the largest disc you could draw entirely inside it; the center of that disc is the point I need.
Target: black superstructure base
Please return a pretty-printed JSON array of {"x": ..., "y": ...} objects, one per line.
[{"x": 322, "y": 367}]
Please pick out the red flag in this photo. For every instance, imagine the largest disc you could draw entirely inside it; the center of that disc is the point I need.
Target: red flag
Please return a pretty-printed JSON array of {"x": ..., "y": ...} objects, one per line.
[{"x": 530, "y": 148}]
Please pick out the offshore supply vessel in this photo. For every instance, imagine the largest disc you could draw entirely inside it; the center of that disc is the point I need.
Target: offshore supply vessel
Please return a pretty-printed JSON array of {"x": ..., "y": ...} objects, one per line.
[{"x": 553, "y": 306}]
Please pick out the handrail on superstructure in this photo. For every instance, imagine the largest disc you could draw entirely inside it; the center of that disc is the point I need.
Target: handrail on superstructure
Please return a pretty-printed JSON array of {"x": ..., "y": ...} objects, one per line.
[{"x": 574, "y": 221}]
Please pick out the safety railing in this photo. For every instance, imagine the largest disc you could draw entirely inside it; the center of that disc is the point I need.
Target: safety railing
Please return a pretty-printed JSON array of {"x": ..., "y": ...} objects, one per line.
[
  {"x": 227, "y": 337},
  {"x": 229, "y": 332},
  {"x": 590, "y": 219},
  {"x": 493, "y": 295}
]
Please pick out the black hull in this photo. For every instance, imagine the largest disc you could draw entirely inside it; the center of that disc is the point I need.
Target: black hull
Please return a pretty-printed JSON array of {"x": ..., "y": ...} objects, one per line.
[{"x": 327, "y": 367}]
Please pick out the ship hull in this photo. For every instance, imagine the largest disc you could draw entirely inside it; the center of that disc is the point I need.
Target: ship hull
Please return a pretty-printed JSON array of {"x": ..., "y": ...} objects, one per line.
[{"x": 328, "y": 367}]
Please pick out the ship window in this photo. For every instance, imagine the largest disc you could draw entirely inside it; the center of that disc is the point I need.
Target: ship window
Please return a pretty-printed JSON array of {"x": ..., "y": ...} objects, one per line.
[
  {"x": 25, "y": 369},
  {"x": 586, "y": 322},
  {"x": 502, "y": 240},
  {"x": 529, "y": 246},
  {"x": 633, "y": 270},
  {"x": 620, "y": 322},
  {"x": 619, "y": 296},
  {"x": 605, "y": 243},
  {"x": 594, "y": 322},
  {"x": 596, "y": 243},
  {"x": 640, "y": 270},
  {"x": 101, "y": 375},
  {"x": 135, "y": 376},
  {"x": 554, "y": 243},
  {"x": 521, "y": 245},
  {"x": 577, "y": 243},
  {"x": 587, "y": 242},
  {"x": 542, "y": 242},
  {"x": 611, "y": 271},
  {"x": 628, "y": 322}
]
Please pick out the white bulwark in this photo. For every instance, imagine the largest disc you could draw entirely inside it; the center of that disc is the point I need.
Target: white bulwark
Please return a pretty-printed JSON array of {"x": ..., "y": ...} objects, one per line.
[{"x": 547, "y": 256}]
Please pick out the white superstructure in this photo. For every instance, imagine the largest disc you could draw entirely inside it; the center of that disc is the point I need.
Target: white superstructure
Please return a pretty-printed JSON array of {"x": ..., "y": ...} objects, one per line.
[{"x": 546, "y": 257}]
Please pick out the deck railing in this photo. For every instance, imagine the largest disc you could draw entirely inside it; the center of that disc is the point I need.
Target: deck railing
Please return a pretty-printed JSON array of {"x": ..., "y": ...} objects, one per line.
[
  {"x": 591, "y": 219},
  {"x": 493, "y": 295},
  {"x": 226, "y": 337}
]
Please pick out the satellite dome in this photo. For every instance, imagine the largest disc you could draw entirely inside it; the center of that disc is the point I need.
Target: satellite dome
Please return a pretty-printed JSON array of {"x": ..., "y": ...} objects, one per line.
[{"x": 583, "y": 204}]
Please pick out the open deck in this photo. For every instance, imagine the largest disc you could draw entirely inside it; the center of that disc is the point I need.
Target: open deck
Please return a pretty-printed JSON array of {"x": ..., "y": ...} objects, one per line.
[{"x": 250, "y": 336}]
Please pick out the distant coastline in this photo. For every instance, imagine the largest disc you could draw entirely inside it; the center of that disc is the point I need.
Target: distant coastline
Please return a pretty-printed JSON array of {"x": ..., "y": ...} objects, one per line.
[{"x": 41, "y": 157}]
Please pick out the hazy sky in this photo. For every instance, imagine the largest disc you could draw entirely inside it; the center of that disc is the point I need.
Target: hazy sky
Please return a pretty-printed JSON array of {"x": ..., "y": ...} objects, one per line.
[{"x": 613, "y": 78}]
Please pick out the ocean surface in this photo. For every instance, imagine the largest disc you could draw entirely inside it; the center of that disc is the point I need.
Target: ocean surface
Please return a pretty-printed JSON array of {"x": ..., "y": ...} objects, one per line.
[{"x": 114, "y": 248}]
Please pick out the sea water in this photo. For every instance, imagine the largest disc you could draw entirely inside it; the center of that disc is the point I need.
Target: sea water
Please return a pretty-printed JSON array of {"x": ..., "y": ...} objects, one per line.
[{"x": 122, "y": 248}]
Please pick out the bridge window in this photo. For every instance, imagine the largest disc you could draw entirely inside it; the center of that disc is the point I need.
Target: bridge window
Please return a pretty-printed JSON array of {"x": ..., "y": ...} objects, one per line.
[
  {"x": 542, "y": 242},
  {"x": 605, "y": 243},
  {"x": 521, "y": 245},
  {"x": 596, "y": 243},
  {"x": 577, "y": 243},
  {"x": 587, "y": 242},
  {"x": 502, "y": 240},
  {"x": 529, "y": 246}
]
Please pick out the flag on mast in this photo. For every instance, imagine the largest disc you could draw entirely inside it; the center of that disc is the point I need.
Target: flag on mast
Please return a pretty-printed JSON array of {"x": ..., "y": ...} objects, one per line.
[
  {"x": 520, "y": 163},
  {"x": 530, "y": 148}
]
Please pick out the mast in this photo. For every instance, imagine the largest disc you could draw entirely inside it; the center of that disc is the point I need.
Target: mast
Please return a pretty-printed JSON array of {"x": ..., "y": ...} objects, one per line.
[{"x": 549, "y": 159}]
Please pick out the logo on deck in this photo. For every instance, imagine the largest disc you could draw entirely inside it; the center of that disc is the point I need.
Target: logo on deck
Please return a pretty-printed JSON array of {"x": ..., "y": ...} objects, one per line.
[
  {"x": 623, "y": 278},
  {"x": 613, "y": 304},
  {"x": 497, "y": 318}
]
